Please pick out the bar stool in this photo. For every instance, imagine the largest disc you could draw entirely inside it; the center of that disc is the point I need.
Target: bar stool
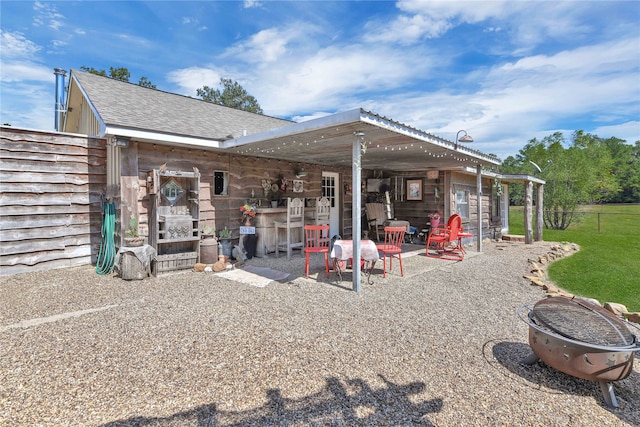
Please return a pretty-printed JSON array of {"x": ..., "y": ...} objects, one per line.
[{"x": 293, "y": 225}]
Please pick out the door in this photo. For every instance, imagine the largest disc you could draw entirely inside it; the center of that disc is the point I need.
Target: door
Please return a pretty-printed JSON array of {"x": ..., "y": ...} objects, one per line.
[{"x": 330, "y": 186}]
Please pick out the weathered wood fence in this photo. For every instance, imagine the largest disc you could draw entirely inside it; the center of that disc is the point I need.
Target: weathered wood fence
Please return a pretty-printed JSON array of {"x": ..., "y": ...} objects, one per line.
[{"x": 50, "y": 199}]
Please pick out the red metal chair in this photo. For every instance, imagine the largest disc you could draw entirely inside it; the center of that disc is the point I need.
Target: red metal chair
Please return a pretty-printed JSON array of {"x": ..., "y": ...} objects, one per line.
[
  {"x": 316, "y": 241},
  {"x": 392, "y": 247},
  {"x": 444, "y": 240}
]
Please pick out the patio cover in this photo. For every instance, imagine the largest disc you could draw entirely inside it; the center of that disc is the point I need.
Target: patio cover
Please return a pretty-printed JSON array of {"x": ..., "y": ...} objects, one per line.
[{"x": 361, "y": 139}]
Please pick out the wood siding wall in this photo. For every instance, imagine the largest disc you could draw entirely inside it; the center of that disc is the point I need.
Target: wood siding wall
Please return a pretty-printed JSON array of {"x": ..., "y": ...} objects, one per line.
[
  {"x": 50, "y": 191},
  {"x": 245, "y": 175},
  {"x": 416, "y": 212}
]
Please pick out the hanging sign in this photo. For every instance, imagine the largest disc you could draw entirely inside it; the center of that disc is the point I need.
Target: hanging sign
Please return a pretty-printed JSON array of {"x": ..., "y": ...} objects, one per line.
[{"x": 247, "y": 230}]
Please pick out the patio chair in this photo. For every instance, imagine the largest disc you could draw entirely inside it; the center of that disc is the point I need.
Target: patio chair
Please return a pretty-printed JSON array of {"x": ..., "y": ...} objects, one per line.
[
  {"x": 323, "y": 210},
  {"x": 293, "y": 225},
  {"x": 392, "y": 247},
  {"x": 316, "y": 241},
  {"x": 444, "y": 240},
  {"x": 376, "y": 216}
]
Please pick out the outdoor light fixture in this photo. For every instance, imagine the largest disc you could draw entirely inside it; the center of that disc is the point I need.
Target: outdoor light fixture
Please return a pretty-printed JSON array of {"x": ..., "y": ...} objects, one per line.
[
  {"x": 465, "y": 138},
  {"x": 120, "y": 141},
  {"x": 300, "y": 173}
]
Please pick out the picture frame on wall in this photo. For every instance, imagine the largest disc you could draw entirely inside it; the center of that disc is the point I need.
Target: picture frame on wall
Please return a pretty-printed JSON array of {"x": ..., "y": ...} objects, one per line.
[
  {"x": 298, "y": 186},
  {"x": 414, "y": 189}
]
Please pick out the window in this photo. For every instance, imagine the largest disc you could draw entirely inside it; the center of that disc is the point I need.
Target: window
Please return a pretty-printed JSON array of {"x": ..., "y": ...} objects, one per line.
[
  {"x": 497, "y": 198},
  {"x": 462, "y": 203},
  {"x": 329, "y": 189},
  {"x": 220, "y": 183}
]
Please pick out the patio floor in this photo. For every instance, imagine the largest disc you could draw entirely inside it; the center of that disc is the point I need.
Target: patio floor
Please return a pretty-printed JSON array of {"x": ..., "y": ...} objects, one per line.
[{"x": 441, "y": 346}]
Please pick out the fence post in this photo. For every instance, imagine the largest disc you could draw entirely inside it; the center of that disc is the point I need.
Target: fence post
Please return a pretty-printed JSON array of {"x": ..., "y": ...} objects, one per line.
[{"x": 598, "y": 222}]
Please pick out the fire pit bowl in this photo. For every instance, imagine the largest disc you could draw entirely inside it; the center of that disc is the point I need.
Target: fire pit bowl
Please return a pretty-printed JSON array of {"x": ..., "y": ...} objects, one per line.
[{"x": 580, "y": 339}]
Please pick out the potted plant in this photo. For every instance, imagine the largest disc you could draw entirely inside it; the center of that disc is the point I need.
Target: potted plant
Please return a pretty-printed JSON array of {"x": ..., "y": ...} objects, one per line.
[
  {"x": 226, "y": 244},
  {"x": 208, "y": 232},
  {"x": 132, "y": 238},
  {"x": 434, "y": 219},
  {"x": 248, "y": 213}
]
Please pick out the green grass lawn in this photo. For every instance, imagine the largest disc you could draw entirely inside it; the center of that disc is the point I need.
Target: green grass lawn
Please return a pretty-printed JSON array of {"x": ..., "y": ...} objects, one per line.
[{"x": 607, "y": 267}]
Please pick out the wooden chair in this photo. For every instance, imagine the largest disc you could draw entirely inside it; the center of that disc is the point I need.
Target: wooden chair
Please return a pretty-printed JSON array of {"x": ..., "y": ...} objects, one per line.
[
  {"x": 376, "y": 216},
  {"x": 392, "y": 247},
  {"x": 293, "y": 225},
  {"x": 323, "y": 211},
  {"x": 444, "y": 240},
  {"x": 316, "y": 242}
]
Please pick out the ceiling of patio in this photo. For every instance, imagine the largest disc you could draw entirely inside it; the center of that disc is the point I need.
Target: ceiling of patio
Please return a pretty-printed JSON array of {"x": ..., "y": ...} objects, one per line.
[{"x": 389, "y": 145}]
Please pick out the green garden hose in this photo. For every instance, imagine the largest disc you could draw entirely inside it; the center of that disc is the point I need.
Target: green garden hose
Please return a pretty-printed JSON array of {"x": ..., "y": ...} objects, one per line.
[{"x": 107, "y": 254}]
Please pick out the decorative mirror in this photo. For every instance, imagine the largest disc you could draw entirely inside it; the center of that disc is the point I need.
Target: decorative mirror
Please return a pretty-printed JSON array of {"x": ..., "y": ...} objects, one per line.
[{"x": 172, "y": 191}]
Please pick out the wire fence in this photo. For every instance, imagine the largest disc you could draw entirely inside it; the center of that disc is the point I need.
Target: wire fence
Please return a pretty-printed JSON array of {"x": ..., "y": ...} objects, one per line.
[
  {"x": 619, "y": 219},
  {"x": 608, "y": 222}
]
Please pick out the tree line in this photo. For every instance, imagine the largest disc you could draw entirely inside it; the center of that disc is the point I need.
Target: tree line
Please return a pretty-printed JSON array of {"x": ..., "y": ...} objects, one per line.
[{"x": 585, "y": 169}]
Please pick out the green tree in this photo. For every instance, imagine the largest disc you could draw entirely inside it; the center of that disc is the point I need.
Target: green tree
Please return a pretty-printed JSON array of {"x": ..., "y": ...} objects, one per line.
[
  {"x": 625, "y": 169},
  {"x": 120, "y": 73},
  {"x": 576, "y": 172},
  {"x": 144, "y": 82},
  {"x": 512, "y": 165},
  {"x": 232, "y": 95}
]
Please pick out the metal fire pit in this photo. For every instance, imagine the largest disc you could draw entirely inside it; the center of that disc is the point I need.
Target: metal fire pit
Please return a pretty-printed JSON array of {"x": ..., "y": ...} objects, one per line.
[{"x": 580, "y": 339}]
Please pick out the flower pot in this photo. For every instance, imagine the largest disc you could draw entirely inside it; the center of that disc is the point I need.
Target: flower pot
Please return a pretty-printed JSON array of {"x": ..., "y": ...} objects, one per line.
[
  {"x": 226, "y": 246},
  {"x": 250, "y": 243},
  {"x": 274, "y": 203},
  {"x": 133, "y": 242},
  {"x": 434, "y": 223}
]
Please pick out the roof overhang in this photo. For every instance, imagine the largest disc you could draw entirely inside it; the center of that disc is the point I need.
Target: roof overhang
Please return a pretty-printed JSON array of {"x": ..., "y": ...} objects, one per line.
[
  {"x": 502, "y": 176},
  {"x": 388, "y": 145},
  {"x": 329, "y": 140},
  {"x": 142, "y": 135}
]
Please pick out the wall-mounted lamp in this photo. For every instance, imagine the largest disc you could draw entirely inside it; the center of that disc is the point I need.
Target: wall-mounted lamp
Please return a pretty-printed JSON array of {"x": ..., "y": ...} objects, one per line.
[
  {"x": 300, "y": 173},
  {"x": 120, "y": 141},
  {"x": 465, "y": 138}
]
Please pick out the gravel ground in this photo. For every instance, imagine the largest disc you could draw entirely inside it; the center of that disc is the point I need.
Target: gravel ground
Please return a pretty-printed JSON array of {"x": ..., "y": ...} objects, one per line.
[{"x": 440, "y": 346}]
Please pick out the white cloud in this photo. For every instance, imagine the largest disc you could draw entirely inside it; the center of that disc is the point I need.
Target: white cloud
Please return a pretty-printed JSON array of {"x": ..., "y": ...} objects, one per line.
[
  {"x": 190, "y": 79},
  {"x": 265, "y": 46},
  {"x": 248, "y": 4},
  {"x": 629, "y": 131},
  {"x": 47, "y": 14},
  {"x": 15, "y": 45}
]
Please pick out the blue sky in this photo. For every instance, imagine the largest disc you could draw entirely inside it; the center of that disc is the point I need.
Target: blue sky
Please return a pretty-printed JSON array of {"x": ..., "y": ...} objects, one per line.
[{"x": 505, "y": 71}]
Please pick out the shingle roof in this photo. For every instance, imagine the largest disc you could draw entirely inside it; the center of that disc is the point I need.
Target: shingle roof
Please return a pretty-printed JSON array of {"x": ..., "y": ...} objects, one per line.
[{"x": 123, "y": 104}]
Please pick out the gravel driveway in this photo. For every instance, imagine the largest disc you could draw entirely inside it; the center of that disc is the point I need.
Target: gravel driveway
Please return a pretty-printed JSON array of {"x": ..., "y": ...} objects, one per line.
[{"x": 440, "y": 346}]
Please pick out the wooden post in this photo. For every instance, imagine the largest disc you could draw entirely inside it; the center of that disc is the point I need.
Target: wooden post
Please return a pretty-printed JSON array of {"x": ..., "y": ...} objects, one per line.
[
  {"x": 539, "y": 213},
  {"x": 528, "y": 212}
]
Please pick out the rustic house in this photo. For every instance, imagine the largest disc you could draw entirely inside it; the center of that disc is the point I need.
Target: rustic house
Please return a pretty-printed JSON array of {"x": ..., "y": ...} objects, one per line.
[{"x": 160, "y": 146}]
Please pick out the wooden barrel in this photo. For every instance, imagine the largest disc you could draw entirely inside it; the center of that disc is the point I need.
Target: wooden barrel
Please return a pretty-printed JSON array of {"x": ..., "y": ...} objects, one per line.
[{"x": 208, "y": 251}]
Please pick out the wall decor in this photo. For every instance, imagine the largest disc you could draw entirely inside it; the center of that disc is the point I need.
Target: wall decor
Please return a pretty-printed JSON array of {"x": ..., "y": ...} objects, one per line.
[
  {"x": 298, "y": 186},
  {"x": 414, "y": 189}
]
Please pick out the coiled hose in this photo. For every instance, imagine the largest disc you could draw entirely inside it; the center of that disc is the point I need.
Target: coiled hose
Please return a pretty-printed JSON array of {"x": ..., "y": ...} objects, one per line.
[{"x": 107, "y": 254}]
